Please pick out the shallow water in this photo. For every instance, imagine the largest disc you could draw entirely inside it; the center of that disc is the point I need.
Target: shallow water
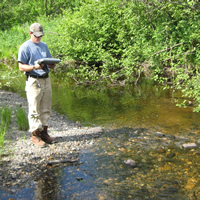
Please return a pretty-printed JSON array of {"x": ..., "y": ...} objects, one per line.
[
  {"x": 131, "y": 116},
  {"x": 143, "y": 106}
]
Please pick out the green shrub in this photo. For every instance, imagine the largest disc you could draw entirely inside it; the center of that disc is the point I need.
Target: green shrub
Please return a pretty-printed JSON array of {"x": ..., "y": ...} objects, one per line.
[
  {"x": 11, "y": 40},
  {"x": 92, "y": 36},
  {"x": 119, "y": 37},
  {"x": 14, "y": 12}
]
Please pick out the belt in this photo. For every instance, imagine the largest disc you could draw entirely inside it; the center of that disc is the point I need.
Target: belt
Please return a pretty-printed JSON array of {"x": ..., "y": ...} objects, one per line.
[{"x": 43, "y": 76}]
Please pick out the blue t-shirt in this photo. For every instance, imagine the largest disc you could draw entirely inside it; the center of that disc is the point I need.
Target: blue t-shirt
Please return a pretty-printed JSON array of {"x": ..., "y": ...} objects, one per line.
[{"x": 29, "y": 52}]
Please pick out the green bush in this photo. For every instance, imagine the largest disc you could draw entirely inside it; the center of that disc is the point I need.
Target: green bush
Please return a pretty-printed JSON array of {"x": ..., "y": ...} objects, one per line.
[
  {"x": 14, "y": 37},
  {"x": 15, "y": 12},
  {"x": 11, "y": 40},
  {"x": 92, "y": 36},
  {"x": 119, "y": 37}
]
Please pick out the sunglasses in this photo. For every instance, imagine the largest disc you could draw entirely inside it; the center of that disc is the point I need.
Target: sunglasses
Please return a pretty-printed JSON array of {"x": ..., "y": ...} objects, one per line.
[{"x": 38, "y": 36}]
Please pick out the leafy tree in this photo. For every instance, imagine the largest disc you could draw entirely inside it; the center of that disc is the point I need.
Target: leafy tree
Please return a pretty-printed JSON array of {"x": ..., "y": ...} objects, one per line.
[
  {"x": 120, "y": 39},
  {"x": 14, "y": 12}
]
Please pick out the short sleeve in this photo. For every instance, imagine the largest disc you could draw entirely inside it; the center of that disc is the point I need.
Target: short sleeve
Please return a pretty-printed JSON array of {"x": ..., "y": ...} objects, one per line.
[{"x": 23, "y": 54}]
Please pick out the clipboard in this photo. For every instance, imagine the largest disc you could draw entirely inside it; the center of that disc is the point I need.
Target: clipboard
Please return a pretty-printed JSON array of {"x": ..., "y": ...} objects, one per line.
[{"x": 48, "y": 60}]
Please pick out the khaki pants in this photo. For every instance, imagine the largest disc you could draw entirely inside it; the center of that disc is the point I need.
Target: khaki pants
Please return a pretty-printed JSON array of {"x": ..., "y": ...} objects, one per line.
[{"x": 39, "y": 102}]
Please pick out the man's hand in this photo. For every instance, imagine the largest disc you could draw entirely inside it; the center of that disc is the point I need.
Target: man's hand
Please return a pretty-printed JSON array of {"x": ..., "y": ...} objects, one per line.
[
  {"x": 38, "y": 66},
  {"x": 28, "y": 68}
]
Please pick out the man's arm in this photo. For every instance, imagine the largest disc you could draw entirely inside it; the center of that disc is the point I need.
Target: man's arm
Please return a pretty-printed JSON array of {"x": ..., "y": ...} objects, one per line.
[{"x": 28, "y": 68}]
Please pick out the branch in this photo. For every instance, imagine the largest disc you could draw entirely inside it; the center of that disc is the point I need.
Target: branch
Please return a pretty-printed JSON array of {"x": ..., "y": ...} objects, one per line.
[
  {"x": 188, "y": 52},
  {"x": 136, "y": 81},
  {"x": 176, "y": 45}
]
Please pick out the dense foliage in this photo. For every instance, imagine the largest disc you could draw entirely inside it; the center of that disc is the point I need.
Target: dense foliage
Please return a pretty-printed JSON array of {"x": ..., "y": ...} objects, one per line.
[
  {"x": 115, "y": 41},
  {"x": 14, "y": 12},
  {"x": 126, "y": 36}
]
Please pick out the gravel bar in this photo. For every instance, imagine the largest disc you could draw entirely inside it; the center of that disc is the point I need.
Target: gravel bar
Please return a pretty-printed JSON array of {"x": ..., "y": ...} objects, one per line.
[{"x": 21, "y": 160}]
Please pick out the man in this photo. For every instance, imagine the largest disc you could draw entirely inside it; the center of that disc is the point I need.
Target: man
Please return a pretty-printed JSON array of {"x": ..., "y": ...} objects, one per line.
[{"x": 38, "y": 84}]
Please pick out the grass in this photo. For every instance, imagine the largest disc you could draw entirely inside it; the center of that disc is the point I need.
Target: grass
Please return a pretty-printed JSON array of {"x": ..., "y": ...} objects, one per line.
[
  {"x": 22, "y": 120},
  {"x": 6, "y": 118},
  {"x": 2, "y": 134}
]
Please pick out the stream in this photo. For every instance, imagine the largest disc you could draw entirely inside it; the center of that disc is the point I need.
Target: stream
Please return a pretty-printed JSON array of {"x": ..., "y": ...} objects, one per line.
[{"x": 142, "y": 123}]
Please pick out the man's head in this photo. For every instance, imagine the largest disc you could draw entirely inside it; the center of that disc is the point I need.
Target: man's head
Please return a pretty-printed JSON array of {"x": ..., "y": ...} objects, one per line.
[{"x": 36, "y": 32}]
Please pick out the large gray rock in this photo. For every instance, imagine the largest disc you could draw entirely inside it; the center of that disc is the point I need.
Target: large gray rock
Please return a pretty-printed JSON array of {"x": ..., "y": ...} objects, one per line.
[
  {"x": 189, "y": 146},
  {"x": 130, "y": 163}
]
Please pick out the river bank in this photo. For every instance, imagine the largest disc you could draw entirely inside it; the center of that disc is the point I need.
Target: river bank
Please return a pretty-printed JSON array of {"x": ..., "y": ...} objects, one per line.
[{"x": 22, "y": 161}]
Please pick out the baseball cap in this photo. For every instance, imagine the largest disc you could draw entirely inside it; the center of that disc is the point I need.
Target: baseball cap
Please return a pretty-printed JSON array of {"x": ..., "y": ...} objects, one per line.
[{"x": 36, "y": 29}]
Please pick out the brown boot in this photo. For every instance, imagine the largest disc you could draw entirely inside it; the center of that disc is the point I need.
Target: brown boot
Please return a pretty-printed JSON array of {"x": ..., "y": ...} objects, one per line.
[
  {"x": 46, "y": 137},
  {"x": 37, "y": 140}
]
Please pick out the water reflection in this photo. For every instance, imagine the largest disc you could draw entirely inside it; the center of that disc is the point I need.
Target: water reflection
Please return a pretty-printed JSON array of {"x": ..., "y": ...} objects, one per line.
[
  {"x": 65, "y": 182},
  {"x": 45, "y": 185},
  {"x": 145, "y": 105}
]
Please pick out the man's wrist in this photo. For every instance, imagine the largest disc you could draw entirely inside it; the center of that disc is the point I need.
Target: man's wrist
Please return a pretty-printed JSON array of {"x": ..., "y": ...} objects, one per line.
[{"x": 34, "y": 67}]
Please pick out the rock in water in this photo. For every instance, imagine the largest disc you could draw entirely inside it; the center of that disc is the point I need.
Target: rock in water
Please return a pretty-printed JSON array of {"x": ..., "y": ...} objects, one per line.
[
  {"x": 130, "y": 162},
  {"x": 189, "y": 146}
]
